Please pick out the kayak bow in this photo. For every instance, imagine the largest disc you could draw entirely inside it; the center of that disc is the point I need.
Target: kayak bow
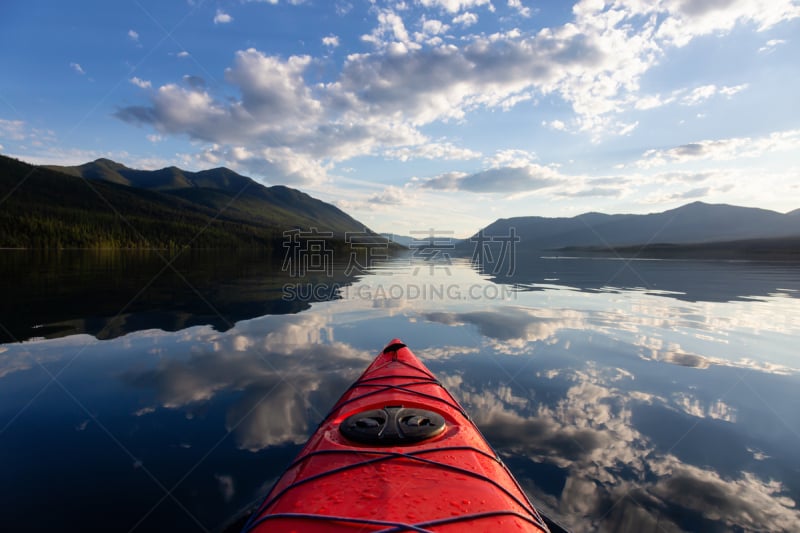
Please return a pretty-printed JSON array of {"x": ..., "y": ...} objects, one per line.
[{"x": 396, "y": 453}]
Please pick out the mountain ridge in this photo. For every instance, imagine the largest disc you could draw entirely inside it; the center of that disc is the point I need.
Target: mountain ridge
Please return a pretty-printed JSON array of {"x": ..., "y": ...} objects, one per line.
[
  {"x": 692, "y": 223},
  {"x": 99, "y": 204},
  {"x": 223, "y": 188},
  {"x": 166, "y": 178}
]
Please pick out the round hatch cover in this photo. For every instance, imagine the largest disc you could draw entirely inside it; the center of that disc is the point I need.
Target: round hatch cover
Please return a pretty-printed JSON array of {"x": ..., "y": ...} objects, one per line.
[{"x": 392, "y": 426}]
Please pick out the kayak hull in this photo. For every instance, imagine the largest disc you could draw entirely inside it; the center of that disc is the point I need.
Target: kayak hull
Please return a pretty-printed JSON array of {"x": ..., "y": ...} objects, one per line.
[{"x": 396, "y": 453}]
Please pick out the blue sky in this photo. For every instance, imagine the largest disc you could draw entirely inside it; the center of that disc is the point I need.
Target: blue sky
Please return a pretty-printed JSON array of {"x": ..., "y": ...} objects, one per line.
[{"x": 419, "y": 114}]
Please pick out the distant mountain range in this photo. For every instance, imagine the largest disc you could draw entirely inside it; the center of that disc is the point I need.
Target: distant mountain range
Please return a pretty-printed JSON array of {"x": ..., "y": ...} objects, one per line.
[
  {"x": 693, "y": 223},
  {"x": 402, "y": 240},
  {"x": 106, "y": 204}
]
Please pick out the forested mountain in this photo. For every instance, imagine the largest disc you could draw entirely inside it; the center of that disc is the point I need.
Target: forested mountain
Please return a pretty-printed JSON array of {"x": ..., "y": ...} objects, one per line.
[{"x": 105, "y": 204}]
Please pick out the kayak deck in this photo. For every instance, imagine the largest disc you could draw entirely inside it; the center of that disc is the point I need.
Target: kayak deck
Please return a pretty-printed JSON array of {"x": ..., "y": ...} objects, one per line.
[{"x": 396, "y": 453}]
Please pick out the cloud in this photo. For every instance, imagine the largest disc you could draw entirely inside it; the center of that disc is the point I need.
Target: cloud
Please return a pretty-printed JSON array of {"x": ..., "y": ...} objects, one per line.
[
  {"x": 434, "y": 150},
  {"x": 183, "y": 53},
  {"x": 466, "y": 19},
  {"x": 717, "y": 410},
  {"x": 432, "y": 31},
  {"x": 226, "y": 486},
  {"x": 615, "y": 476},
  {"x": 390, "y": 196},
  {"x": 18, "y": 131},
  {"x": 723, "y": 149},
  {"x": 270, "y": 408},
  {"x": 133, "y": 36},
  {"x": 331, "y": 41},
  {"x": 523, "y": 11},
  {"x": 177, "y": 110},
  {"x": 746, "y": 502},
  {"x": 646, "y": 102},
  {"x": 557, "y": 125},
  {"x": 703, "y": 17},
  {"x": 195, "y": 82},
  {"x": 770, "y": 45},
  {"x": 500, "y": 180},
  {"x": 494, "y": 71},
  {"x": 672, "y": 23},
  {"x": 592, "y": 192},
  {"x": 695, "y": 97},
  {"x": 391, "y": 33},
  {"x": 512, "y": 329},
  {"x": 379, "y": 101},
  {"x": 12, "y": 129},
  {"x": 730, "y": 91},
  {"x": 515, "y": 171},
  {"x": 222, "y": 18},
  {"x": 278, "y": 117},
  {"x": 701, "y": 94},
  {"x": 77, "y": 68},
  {"x": 454, "y": 6},
  {"x": 143, "y": 84}
]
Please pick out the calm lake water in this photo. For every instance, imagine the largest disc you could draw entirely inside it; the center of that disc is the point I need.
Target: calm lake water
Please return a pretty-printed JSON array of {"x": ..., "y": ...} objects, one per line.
[{"x": 624, "y": 395}]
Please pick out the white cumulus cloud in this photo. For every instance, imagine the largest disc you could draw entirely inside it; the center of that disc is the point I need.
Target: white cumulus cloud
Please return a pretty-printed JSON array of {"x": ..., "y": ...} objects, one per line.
[
  {"x": 143, "y": 84},
  {"x": 454, "y": 6},
  {"x": 521, "y": 9},
  {"x": 380, "y": 101},
  {"x": 222, "y": 18},
  {"x": 466, "y": 19},
  {"x": 525, "y": 178}
]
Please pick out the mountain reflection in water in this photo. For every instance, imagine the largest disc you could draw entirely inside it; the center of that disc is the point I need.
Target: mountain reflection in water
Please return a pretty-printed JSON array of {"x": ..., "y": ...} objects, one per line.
[
  {"x": 108, "y": 293},
  {"x": 618, "y": 407}
]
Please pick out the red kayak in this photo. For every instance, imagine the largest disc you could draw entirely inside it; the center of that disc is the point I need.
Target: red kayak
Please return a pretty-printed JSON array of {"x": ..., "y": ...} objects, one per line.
[{"x": 396, "y": 453}]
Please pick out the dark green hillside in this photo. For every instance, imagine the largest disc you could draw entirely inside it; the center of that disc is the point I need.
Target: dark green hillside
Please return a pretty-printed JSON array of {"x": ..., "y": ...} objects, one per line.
[
  {"x": 102, "y": 169},
  {"x": 218, "y": 188},
  {"x": 44, "y": 208}
]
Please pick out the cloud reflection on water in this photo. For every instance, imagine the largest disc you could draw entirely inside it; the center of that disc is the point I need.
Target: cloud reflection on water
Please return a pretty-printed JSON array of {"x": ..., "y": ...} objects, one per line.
[
  {"x": 515, "y": 330},
  {"x": 276, "y": 366},
  {"x": 616, "y": 477}
]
